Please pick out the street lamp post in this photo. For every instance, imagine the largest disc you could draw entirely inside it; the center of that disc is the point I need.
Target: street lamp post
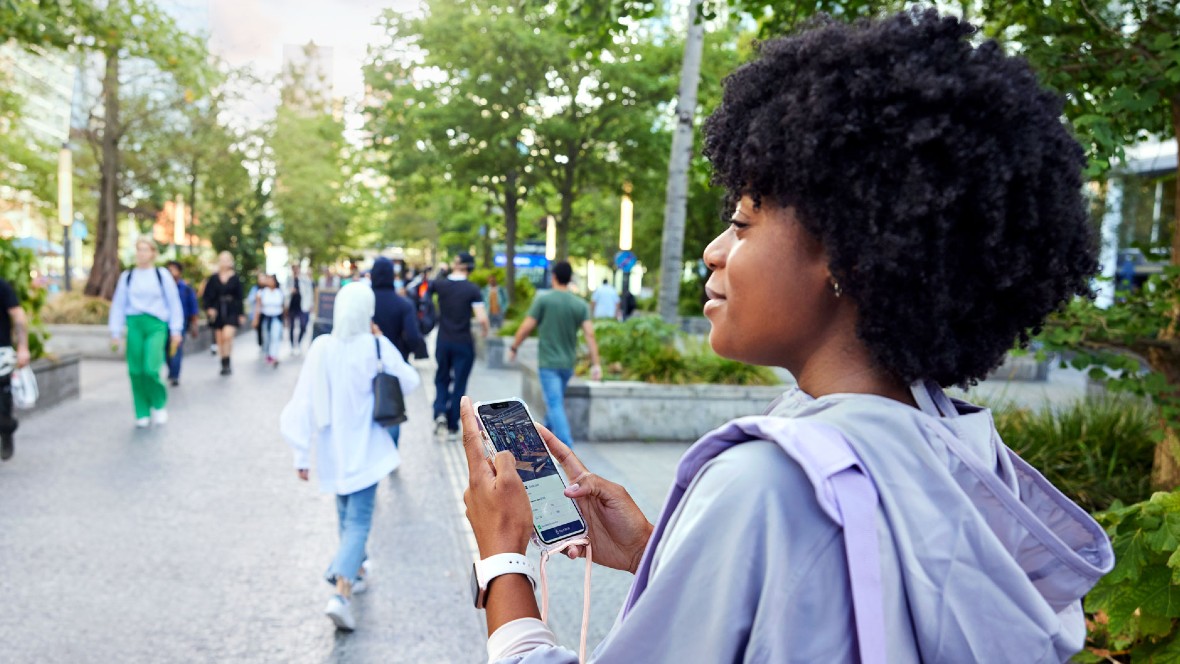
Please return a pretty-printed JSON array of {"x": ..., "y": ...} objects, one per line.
[
  {"x": 177, "y": 224},
  {"x": 626, "y": 219},
  {"x": 65, "y": 202}
]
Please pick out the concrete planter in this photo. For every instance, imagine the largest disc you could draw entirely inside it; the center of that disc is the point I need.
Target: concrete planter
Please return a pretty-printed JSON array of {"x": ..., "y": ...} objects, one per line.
[
  {"x": 58, "y": 380},
  {"x": 496, "y": 351},
  {"x": 633, "y": 411},
  {"x": 93, "y": 342}
]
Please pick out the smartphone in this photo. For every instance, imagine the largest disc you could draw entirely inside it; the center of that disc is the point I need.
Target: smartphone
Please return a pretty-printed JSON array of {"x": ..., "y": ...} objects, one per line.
[{"x": 507, "y": 425}]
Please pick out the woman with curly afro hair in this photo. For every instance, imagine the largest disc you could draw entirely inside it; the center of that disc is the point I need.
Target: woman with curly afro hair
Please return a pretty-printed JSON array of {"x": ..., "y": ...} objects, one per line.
[{"x": 905, "y": 206}]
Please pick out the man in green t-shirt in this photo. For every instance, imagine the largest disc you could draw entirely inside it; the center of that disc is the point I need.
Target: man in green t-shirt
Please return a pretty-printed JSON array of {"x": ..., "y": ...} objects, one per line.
[{"x": 556, "y": 316}]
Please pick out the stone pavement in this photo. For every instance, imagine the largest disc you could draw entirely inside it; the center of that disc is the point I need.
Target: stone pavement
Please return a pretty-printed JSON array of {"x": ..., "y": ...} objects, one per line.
[{"x": 195, "y": 542}]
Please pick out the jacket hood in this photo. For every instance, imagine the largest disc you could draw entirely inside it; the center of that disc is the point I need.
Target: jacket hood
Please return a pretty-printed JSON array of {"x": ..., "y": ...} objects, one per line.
[
  {"x": 382, "y": 273},
  {"x": 994, "y": 559}
]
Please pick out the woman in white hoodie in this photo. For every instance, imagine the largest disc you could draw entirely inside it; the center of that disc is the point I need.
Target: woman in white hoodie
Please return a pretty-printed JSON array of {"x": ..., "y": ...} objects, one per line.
[{"x": 332, "y": 411}]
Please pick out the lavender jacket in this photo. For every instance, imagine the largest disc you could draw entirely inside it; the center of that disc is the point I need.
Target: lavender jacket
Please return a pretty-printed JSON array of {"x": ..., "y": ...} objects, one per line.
[{"x": 981, "y": 558}]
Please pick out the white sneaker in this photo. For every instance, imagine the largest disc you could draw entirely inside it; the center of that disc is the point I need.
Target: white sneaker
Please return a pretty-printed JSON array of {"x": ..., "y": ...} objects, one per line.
[
  {"x": 362, "y": 584},
  {"x": 440, "y": 427},
  {"x": 340, "y": 611},
  {"x": 160, "y": 416},
  {"x": 143, "y": 423}
]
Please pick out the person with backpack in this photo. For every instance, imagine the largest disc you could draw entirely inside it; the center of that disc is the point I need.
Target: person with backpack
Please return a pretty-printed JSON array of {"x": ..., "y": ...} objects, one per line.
[
  {"x": 905, "y": 202},
  {"x": 421, "y": 294},
  {"x": 191, "y": 310},
  {"x": 147, "y": 306}
]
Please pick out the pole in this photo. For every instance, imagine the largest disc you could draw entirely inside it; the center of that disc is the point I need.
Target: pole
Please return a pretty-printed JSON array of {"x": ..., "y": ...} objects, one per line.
[
  {"x": 65, "y": 203},
  {"x": 66, "y": 254}
]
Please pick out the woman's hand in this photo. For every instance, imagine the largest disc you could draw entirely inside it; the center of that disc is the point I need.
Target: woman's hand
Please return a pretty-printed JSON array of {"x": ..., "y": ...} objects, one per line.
[
  {"x": 617, "y": 527},
  {"x": 302, "y": 472},
  {"x": 211, "y": 314},
  {"x": 497, "y": 505}
]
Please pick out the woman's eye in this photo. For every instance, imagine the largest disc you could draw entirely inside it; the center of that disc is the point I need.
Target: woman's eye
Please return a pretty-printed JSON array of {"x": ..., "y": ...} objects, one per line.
[{"x": 738, "y": 225}]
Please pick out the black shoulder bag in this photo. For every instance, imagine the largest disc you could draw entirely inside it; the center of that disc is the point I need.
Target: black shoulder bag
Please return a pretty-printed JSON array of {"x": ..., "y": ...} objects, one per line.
[{"x": 389, "y": 404}]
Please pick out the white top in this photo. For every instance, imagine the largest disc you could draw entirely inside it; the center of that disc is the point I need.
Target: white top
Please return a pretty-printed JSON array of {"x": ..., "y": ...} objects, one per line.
[
  {"x": 332, "y": 408},
  {"x": 153, "y": 292},
  {"x": 272, "y": 301},
  {"x": 605, "y": 301}
]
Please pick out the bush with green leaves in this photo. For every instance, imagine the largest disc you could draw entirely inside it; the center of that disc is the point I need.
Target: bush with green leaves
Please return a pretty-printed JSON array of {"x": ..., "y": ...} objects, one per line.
[
  {"x": 647, "y": 349},
  {"x": 16, "y": 266},
  {"x": 1132, "y": 613},
  {"x": 1097, "y": 451}
]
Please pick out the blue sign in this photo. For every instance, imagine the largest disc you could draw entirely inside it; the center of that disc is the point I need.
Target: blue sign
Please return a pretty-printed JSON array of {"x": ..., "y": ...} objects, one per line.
[
  {"x": 625, "y": 260},
  {"x": 523, "y": 260}
]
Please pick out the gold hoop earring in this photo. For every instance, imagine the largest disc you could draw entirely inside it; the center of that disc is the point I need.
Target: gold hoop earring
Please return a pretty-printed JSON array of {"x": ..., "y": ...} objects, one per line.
[{"x": 836, "y": 288}]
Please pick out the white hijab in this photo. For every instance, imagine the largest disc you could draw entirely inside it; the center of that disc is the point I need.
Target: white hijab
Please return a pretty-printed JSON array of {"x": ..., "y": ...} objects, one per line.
[{"x": 352, "y": 313}]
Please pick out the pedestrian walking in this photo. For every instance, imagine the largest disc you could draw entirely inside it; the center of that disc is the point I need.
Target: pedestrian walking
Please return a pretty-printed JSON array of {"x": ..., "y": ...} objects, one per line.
[
  {"x": 421, "y": 295},
  {"x": 268, "y": 317},
  {"x": 496, "y": 299},
  {"x": 458, "y": 300},
  {"x": 332, "y": 412},
  {"x": 147, "y": 306},
  {"x": 252, "y": 306},
  {"x": 300, "y": 298},
  {"x": 394, "y": 316},
  {"x": 627, "y": 304},
  {"x": 894, "y": 184},
  {"x": 606, "y": 301},
  {"x": 223, "y": 306},
  {"x": 557, "y": 316},
  {"x": 190, "y": 310},
  {"x": 14, "y": 354}
]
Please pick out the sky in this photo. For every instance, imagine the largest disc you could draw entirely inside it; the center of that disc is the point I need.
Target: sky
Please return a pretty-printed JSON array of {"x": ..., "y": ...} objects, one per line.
[{"x": 253, "y": 32}]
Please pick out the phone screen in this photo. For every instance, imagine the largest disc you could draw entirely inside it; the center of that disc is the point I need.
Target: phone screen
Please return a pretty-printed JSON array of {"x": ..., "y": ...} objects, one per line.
[{"x": 510, "y": 428}]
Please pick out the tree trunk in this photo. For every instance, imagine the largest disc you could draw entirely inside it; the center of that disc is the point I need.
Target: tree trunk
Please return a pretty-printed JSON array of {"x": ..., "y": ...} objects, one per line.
[
  {"x": 676, "y": 199},
  {"x": 567, "y": 208},
  {"x": 510, "y": 234},
  {"x": 1165, "y": 469},
  {"x": 192, "y": 208},
  {"x": 104, "y": 273}
]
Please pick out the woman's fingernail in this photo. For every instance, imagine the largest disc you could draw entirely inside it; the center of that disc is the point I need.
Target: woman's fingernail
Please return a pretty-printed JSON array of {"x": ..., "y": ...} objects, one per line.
[{"x": 573, "y": 488}]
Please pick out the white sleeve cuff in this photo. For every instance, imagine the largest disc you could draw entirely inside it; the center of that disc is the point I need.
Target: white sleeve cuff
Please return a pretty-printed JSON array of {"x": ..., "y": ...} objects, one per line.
[{"x": 519, "y": 637}]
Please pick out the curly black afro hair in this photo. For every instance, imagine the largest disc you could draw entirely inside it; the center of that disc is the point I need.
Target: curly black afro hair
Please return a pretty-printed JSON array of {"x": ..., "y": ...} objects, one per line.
[{"x": 939, "y": 177}]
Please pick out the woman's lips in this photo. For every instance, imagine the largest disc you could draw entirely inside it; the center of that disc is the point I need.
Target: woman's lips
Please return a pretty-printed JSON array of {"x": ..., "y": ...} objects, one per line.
[{"x": 713, "y": 295}]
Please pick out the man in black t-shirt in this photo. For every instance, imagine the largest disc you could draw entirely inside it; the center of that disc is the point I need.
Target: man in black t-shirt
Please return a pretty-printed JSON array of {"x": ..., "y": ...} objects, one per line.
[
  {"x": 14, "y": 345},
  {"x": 458, "y": 298}
]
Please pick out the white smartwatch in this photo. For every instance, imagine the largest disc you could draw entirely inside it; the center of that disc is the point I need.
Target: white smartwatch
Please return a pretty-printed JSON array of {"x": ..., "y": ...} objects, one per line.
[{"x": 483, "y": 571}]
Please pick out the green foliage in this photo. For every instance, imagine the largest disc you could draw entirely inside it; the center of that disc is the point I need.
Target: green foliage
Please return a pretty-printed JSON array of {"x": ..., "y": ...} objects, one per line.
[
  {"x": 1097, "y": 451},
  {"x": 645, "y": 348},
  {"x": 308, "y": 151},
  {"x": 16, "y": 266},
  {"x": 1132, "y": 612}
]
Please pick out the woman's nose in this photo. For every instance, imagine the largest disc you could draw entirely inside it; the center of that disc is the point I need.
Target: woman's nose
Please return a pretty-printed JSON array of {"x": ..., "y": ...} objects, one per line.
[{"x": 715, "y": 253}]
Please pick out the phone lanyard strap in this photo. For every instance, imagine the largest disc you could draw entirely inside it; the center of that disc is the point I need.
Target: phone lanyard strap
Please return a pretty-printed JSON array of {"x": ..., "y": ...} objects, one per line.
[{"x": 545, "y": 554}]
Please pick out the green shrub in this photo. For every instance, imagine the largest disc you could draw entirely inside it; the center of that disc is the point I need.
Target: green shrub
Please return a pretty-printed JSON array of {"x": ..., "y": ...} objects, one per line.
[
  {"x": 16, "y": 266},
  {"x": 1097, "y": 451},
  {"x": 647, "y": 349},
  {"x": 76, "y": 309},
  {"x": 1132, "y": 613}
]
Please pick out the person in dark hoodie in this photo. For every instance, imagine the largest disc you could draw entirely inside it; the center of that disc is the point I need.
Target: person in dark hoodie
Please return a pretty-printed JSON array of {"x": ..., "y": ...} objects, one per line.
[{"x": 395, "y": 315}]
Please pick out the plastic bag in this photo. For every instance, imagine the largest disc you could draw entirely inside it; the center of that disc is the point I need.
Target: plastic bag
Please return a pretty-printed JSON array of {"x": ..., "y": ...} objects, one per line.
[{"x": 24, "y": 388}]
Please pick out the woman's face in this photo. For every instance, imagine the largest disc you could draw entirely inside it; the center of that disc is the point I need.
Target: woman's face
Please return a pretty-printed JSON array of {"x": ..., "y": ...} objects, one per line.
[
  {"x": 225, "y": 261},
  {"x": 770, "y": 295},
  {"x": 145, "y": 254}
]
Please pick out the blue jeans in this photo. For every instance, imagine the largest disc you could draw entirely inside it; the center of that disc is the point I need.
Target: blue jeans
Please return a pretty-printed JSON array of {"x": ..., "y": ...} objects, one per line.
[
  {"x": 272, "y": 335},
  {"x": 174, "y": 360},
  {"x": 455, "y": 360},
  {"x": 395, "y": 432},
  {"x": 355, "y": 515},
  {"x": 300, "y": 317},
  {"x": 553, "y": 382}
]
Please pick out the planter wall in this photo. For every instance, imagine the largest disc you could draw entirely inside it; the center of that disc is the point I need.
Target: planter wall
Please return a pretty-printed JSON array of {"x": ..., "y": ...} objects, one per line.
[
  {"x": 93, "y": 342},
  {"x": 633, "y": 411},
  {"x": 58, "y": 380}
]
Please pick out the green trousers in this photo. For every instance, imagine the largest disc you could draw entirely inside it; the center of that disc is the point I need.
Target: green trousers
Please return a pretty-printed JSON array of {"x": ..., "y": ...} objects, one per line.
[{"x": 146, "y": 336}]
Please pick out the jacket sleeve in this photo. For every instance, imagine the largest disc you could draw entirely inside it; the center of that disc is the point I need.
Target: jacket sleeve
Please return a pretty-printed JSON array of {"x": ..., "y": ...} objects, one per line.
[
  {"x": 209, "y": 295},
  {"x": 117, "y": 317},
  {"x": 393, "y": 363},
  {"x": 411, "y": 335},
  {"x": 297, "y": 423},
  {"x": 172, "y": 301}
]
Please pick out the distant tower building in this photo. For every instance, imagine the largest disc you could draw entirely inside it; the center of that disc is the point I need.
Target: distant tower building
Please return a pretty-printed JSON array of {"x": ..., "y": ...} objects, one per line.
[{"x": 307, "y": 76}]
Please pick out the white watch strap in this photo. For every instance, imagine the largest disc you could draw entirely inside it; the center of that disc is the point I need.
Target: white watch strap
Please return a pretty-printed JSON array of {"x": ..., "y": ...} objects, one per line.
[{"x": 504, "y": 563}]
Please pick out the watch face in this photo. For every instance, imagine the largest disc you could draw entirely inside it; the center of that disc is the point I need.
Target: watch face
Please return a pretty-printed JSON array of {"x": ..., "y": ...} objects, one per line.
[{"x": 475, "y": 587}]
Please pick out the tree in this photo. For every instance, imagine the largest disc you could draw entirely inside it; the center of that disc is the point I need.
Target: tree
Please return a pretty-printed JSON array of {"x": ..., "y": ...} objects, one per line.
[{"x": 121, "y": 31}]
